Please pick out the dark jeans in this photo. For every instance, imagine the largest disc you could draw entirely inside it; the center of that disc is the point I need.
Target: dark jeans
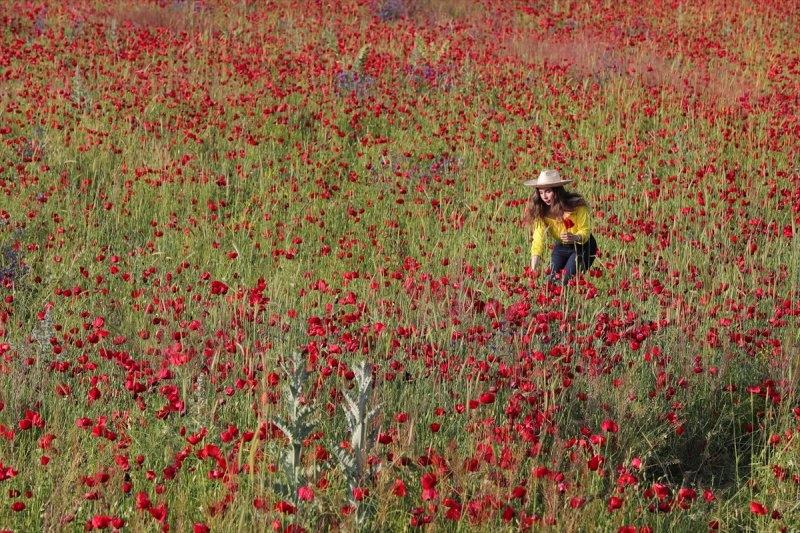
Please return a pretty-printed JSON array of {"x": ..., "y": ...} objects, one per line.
[{"x": 569, "y": 259}]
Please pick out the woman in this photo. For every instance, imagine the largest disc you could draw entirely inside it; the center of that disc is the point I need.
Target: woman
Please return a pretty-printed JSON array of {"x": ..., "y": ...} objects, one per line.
[{"x": 565, "y": 217}]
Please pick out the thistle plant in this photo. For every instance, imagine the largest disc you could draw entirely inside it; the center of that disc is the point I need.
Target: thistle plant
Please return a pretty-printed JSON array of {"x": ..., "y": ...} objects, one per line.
[
  {"x": 80, "y": 95},
  {"x": 355, "y": 81},
  {"x": 353, "y": 460},
  {"x": 419, "y": 54},
  {"x": 361, "y": 60},
  {"x": 112, "y": 35},
  {"x": 297, "y": 426},
  {"x": 426, "y": 67}
]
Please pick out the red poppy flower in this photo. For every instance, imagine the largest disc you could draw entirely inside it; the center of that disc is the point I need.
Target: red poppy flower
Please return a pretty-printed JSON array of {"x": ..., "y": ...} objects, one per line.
[
  {"x": 614, "y": 503},
  {"x": 305, "y": 493},
  {"x": 218, "y": 287},
  {"x": 609, "y": 426},
  {"x": 285, "y": 507},
  {"x": 429, "y": 491},
  {"x": 399, "y": 488}
]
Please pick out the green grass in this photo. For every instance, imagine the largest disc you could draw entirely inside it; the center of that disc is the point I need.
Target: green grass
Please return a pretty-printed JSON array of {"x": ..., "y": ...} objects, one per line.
[{"x": 151, "y": 153}]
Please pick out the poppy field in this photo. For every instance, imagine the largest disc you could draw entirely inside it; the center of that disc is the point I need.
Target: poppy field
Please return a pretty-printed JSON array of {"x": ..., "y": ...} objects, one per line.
[{"x": 262, "y": 266}]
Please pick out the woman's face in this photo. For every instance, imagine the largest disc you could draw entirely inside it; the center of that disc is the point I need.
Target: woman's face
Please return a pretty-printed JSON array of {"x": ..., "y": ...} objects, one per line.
[{"x": 547, "y": 196}]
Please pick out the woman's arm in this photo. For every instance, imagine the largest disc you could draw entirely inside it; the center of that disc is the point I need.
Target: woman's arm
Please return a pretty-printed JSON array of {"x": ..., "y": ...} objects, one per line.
[{"x": 538, "y": 241}]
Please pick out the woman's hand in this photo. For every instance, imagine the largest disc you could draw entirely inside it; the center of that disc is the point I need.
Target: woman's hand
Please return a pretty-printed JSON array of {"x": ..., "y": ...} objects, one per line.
[{"x": 570, "y": 238}]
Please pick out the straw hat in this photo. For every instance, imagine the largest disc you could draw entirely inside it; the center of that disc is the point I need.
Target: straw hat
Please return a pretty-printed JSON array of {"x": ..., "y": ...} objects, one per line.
[{"x": 547, "y": 180}]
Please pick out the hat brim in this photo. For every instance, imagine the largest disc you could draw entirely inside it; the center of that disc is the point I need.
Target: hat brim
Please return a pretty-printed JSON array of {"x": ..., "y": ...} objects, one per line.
[{"x": 536, "y": 184}]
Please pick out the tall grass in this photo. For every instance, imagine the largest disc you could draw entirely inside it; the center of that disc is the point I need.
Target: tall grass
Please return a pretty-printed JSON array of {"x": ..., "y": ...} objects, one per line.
[{"x": 262, "y": 268}]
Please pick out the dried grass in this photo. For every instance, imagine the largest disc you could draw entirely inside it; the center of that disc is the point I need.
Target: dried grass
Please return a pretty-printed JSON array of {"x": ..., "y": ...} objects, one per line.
[
  {"x": 177, "y": 17},
  {"x": 590, "y": 58}
]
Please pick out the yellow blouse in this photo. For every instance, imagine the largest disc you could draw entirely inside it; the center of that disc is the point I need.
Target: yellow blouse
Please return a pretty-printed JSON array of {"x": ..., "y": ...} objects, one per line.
[{"x": 580, "y": 224}]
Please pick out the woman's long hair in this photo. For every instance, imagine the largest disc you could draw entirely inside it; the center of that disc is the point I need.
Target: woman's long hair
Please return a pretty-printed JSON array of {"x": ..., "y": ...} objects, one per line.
[{"x": 564, "y": 201}]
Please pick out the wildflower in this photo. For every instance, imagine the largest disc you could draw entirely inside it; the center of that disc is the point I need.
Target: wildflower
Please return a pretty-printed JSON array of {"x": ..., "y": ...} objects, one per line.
[
  {"x": 614, "y": 503},
  {"x": 399, "y": 488},
  {"x": 429, "y": 492},
  {"x": 610, "y": 426},
  {"x": 305, "y": 493}
]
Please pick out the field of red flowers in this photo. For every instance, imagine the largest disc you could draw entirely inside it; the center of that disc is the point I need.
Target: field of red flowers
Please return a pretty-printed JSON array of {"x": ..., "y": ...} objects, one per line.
[{"x": 262, "y": 266}]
